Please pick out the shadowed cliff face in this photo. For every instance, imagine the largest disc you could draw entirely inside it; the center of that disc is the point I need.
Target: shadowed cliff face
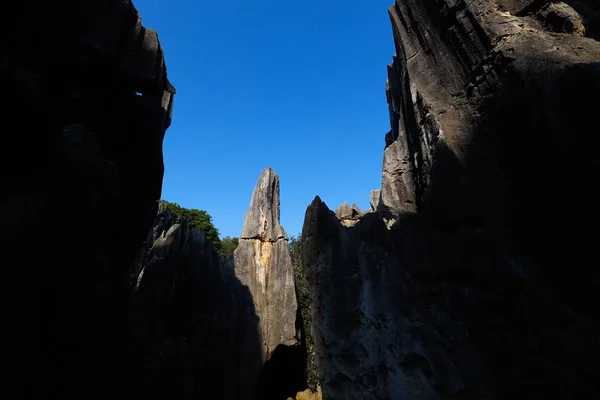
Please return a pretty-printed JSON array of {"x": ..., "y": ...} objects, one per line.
[
  {"x": 510, "y": 101},
  {"x": 88, "y": 104},
  {"x": 182, "y": 318},
  {"x": 482, "y": 234},
  {"x": 377, "y": 333}
]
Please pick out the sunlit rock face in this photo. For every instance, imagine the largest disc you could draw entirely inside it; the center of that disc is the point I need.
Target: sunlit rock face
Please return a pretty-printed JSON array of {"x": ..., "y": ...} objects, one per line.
[{"x": 263, "y": 265}]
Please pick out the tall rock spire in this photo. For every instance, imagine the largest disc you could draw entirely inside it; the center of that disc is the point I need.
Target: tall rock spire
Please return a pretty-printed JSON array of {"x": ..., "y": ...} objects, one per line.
[
  {"x": 263, "y": 264},
  {"x": 262, "y": 218}
]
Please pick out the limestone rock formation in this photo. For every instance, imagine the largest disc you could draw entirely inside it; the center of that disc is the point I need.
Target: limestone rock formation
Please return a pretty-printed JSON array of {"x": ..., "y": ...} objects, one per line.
[
  {"x": 262, "y": 218},
  {"x": 376, "y": 332},
  {"x": 374, "y": 199},
  {"x": 182, "y": 317},
  {"x": 87, "y": 105},
  {"x": 489, "y": 101},
  {"x": 475, "y": 276},
  {"x": 348, "y": 216},
  {"x": 262, "y": 264},
  {"x": 197, "y": 322}
]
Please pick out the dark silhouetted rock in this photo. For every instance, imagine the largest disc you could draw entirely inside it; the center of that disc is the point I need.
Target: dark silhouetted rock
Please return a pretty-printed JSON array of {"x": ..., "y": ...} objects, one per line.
[
  {"x": 376, "y": 334},
  {"x": 475, "y": 276},
  {"x": 87, "y": 108},
  {"x": 182, "y": 318}
]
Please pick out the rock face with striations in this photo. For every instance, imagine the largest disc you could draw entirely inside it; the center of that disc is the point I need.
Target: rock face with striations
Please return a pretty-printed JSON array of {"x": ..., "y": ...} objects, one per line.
[
  {"x": 88, "y": 103},
  {"x": 377, "y": 334},
  {"x": 475, "y": 277},
  {"x": 263, "y": 266}
]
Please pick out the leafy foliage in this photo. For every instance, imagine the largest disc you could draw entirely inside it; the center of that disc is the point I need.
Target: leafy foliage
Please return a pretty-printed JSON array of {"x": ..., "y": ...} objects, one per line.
[
  {"x": 303, "y": 299},
  {"x": 198, "y": 219},
  {"x": 228, "y": 246}
]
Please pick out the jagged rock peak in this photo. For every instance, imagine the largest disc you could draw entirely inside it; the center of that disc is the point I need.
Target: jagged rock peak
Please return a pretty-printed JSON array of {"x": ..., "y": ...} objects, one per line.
[
  {"x": 265, "y": 290},
  {"x": 349, "y": 216},
  {"x": 262, "y": 218},
  {"x": 343, "y": 211}
]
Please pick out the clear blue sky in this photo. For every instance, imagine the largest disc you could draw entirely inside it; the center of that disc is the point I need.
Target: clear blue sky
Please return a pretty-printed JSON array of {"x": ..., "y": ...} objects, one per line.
[{"x": 297, "y": 86}]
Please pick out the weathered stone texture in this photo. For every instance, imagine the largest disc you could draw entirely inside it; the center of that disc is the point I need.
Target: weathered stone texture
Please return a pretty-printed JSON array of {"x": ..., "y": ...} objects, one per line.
[
  {"x": 263, "y": 266},
  {"x": 262, "y": 218},
  {"x": 489, "y": 102},
  {"x": 476, "y": 272}
]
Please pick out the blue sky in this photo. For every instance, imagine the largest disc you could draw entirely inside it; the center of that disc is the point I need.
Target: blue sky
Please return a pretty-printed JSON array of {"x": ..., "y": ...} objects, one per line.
[{"x": 299, "y": 87}]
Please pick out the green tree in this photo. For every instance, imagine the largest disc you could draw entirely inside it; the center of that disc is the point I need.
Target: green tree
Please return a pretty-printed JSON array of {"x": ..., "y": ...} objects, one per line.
[
  {"x": 228, "y": 246},
  {"x": 198, "y": 219},
  {"x": 303, "y": 299}
]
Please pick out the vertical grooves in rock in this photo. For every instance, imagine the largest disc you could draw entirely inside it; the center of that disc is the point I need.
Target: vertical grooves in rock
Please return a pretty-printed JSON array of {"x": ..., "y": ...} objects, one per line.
[
  {"x": 440, "y": 292},
  {"x": 262, "y": 263}
]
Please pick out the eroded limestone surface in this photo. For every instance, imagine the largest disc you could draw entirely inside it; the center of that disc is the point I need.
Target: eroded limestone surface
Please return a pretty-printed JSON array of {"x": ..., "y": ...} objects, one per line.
[
  {"x": 474, "y": 276},
  {"x": 262, "y": 263}
]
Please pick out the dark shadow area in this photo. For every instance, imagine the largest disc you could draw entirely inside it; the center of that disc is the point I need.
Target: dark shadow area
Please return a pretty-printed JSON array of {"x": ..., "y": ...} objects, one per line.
[
  {"x": 544, "y": 204},
  {"x": 82, "y": 168},
  {"x": 589, "y": 10},
  {"x": 189, "y": 333},
  {"x": 505, "y": 242},
  {"x": 247, "y": 341},
  {"x": 283, "y": 375}
]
